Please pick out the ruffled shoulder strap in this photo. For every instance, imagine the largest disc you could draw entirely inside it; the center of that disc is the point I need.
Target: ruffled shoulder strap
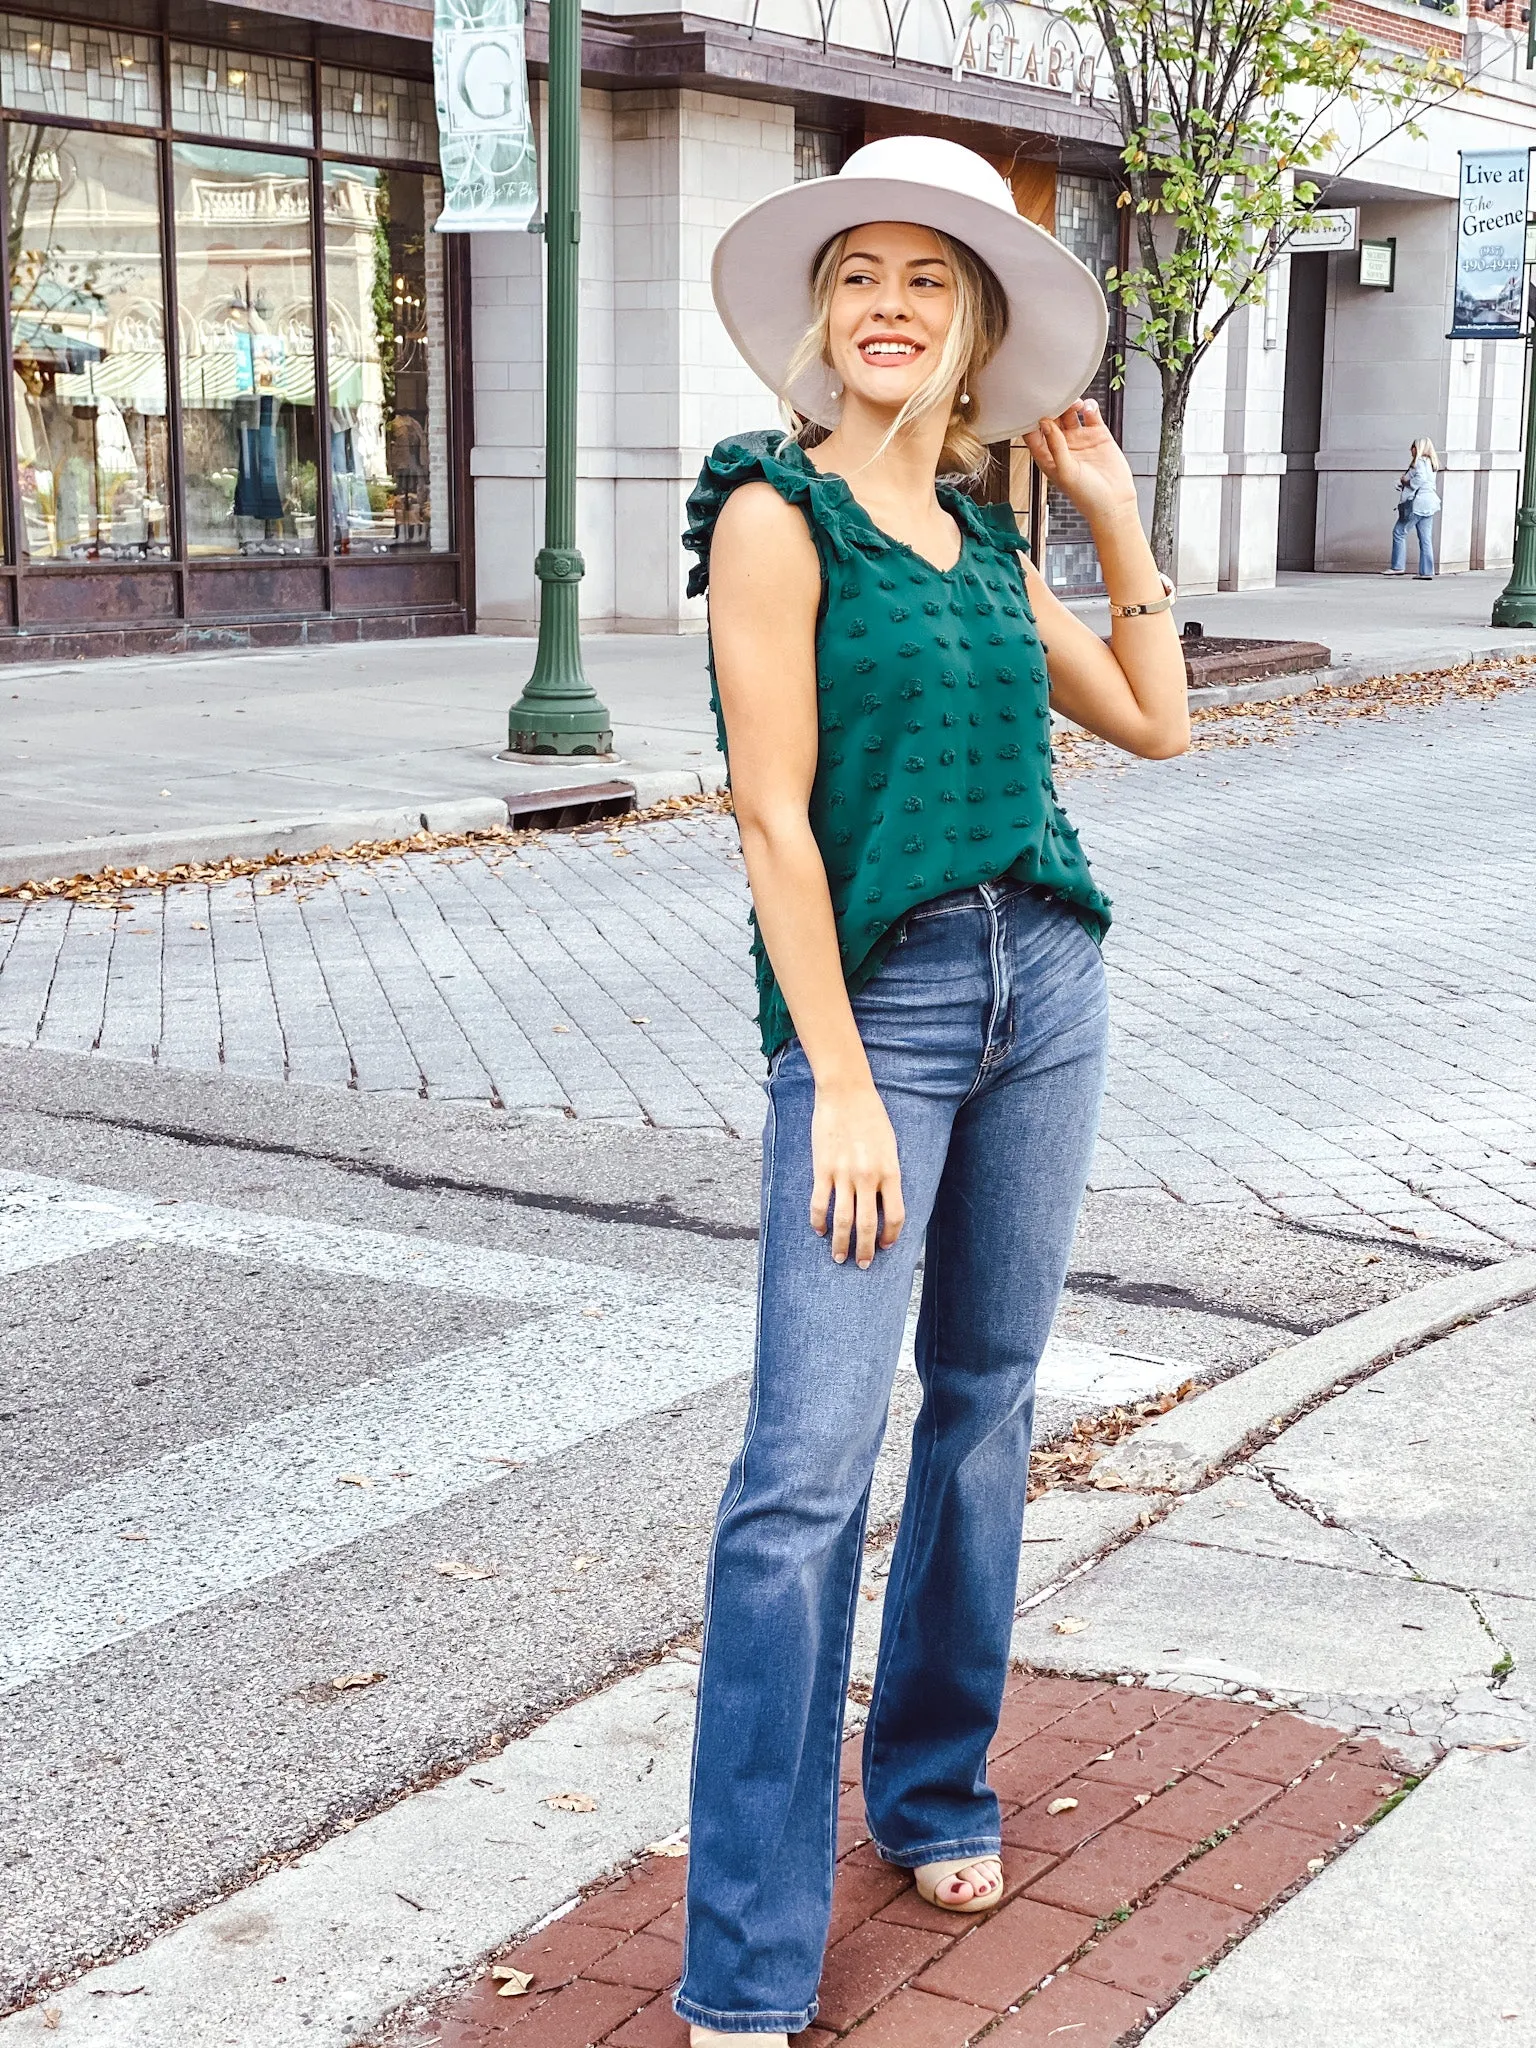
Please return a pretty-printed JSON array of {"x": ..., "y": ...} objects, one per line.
[
  {"x": 769, "y": 457},
  {"x": 991, "y": 526}
]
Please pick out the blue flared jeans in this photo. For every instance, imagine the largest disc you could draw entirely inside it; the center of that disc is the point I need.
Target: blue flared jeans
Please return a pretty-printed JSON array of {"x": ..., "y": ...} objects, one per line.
[
  {"x": 1424, "y": 526},
  {"x": 985, "y": 1029}
]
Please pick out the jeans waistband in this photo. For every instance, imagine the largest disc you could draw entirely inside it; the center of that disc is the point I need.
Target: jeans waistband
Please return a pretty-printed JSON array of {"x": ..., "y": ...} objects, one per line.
[{"x": 1003, "y": 890}]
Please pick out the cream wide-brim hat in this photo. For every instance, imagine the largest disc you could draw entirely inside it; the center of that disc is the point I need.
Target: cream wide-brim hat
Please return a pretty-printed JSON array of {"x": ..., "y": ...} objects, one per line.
[{"x": 1057, "y": 318}]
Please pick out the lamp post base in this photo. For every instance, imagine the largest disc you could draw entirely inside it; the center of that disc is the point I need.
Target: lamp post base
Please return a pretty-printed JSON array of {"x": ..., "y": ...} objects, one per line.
[
  {"x": 559, "y": 711},
  {"x": 1515, "y": 608},
  {"x": 545, "y": 739}
]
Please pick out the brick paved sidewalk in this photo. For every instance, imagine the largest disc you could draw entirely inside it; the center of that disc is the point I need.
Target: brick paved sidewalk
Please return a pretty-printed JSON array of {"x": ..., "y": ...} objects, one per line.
[
  {"x": 1190, "y": 1818},
  {"x": 1323, "y": 975}
]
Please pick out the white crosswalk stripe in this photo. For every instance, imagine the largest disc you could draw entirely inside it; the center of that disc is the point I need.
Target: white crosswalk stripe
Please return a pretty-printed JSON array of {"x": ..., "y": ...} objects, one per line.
[
  {"x": 58, "y": 1217},
  {"x": 112, "y": 1559},
  {"x": 127, "y": 1553}
]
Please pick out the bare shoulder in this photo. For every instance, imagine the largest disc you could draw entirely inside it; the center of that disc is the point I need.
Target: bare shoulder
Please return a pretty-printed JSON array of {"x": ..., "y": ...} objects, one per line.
[{"x": 760, "y": 536}]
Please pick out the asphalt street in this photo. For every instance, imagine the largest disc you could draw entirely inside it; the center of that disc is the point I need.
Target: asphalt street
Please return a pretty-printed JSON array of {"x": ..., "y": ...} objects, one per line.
[{"x": 302, "y": 1386}]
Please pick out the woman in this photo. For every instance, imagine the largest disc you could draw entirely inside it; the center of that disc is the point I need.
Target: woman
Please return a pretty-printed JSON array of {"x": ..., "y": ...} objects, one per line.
[
  {"x": 932, "y": 1005},
  {"x": 1417, "y": 503}
]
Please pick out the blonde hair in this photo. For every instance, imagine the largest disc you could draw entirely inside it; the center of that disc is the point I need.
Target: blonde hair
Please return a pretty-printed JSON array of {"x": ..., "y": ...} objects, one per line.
[
  {"x": 975, "y": 335},
  {"x": 1424, "y": 451}
]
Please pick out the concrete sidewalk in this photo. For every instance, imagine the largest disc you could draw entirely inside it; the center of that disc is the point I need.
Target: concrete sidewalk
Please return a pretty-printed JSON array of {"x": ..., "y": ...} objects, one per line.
[
  {"x": 1372, "y": 1566},
  {"x": 161, "y": 760},
  {"x": 165, "y": 760},
  {"x": 1381, "y": 624}
]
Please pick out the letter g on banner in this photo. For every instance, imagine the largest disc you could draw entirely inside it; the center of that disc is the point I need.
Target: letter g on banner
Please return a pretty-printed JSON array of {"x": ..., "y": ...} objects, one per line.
[{"x": 490, "y": 176}]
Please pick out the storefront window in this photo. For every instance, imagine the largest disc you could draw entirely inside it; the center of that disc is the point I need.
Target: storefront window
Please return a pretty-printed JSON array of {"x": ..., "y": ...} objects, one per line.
[
  {"x": 371, "y": 115},
  {"x": 819, "y": 152},
  {"x": 1088, "y": 222},
  {"x": 88, "y": 343},
  {"x": 242, "y": 95},
  {"x": 386, "y": 359},
  {"x": 87, "y": 74},
  {"x": 245, "y": 294}
]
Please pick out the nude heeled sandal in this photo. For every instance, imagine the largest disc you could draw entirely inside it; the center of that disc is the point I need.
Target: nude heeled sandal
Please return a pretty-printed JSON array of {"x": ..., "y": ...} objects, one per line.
[{"x": 929, "y": 1876}]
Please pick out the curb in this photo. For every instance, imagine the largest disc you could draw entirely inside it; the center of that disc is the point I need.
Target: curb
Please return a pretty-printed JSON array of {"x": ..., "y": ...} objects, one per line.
[
  {"x": 1182, "y": 1449},
  {"x": 254, "y": 838},
  {"x": 248, "y": 841},
  {"x": 1276, "y": 688}
]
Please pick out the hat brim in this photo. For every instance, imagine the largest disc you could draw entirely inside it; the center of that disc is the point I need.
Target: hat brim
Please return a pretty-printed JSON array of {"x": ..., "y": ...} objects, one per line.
[{"x": 1058, "y": 322}]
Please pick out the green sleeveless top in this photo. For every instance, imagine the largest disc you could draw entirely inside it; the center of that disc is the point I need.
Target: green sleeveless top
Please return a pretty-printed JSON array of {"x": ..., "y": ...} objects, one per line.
[{"x": 934, "y": 770}]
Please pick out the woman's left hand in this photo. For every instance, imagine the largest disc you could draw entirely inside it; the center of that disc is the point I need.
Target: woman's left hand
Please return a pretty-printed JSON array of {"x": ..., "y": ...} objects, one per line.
[{"x": 1081, "y": 457}]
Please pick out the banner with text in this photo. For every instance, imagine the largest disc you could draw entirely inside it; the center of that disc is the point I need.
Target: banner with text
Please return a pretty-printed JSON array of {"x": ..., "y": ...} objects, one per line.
[
  {"x": 485, "y": 130},
  {"x": 1490, "y": 245}
]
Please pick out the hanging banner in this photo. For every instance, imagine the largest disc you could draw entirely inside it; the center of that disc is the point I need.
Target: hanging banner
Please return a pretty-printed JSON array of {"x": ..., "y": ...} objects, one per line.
[
  {"x": 485, "y": 130},
  {"x": 1490, "y": 245}
]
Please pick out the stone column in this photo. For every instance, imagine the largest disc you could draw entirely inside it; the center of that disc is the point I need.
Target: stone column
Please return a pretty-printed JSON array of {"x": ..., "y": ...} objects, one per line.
[
  {"x": 685, "y": 165},
  {"x": 1250, "y": 491},
  {"x": 507, "y": 461}
]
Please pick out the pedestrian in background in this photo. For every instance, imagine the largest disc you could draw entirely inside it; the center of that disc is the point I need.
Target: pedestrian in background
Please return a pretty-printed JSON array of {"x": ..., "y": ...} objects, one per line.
[
  {"x": 932, "y": 1006},
  {"x": 1417, "y": 503}
]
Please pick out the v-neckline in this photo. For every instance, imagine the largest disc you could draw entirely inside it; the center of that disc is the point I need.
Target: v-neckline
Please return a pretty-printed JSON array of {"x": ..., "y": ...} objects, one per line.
[{"x": 904, "y": 547}]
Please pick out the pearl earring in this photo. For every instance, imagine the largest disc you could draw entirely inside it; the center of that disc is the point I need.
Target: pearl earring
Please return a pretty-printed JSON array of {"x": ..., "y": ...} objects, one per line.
[
  {"x": 965, "y": 398},
  {"x": 837, "y": 389}
]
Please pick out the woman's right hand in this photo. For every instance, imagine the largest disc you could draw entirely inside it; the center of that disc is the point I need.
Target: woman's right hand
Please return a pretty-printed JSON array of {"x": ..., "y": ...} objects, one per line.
[{"x": 857, "y": 1174}]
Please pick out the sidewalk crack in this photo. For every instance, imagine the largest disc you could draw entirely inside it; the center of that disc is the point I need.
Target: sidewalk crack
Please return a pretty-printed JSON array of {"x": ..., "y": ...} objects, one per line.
[
  {"x": 1289, "y": 1497},
  {"x": 1504, "y": 1663}
]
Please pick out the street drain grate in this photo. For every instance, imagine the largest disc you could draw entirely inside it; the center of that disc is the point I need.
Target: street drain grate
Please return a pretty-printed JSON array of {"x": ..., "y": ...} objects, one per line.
[{"x": 558, "y": 810}]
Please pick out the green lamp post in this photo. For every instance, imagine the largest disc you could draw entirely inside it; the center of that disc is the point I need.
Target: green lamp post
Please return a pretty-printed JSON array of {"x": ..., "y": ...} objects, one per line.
[
  {"x": 1516, "y": 602},
  {"x": 559, "y": 712}
]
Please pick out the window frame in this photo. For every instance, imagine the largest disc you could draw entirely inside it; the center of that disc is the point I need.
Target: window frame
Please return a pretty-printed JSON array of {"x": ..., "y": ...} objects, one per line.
[{"x": 16, "y": 565}]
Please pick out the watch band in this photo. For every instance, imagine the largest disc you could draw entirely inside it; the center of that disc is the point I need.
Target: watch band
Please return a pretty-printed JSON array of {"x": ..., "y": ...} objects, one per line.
[{"x": 1137, "y": 611}]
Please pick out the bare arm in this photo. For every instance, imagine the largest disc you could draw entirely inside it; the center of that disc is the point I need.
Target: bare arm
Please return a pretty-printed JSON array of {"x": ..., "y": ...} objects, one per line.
[
  {"x": 1133, "y": 691},
  {"x": 765, "y": 586}
]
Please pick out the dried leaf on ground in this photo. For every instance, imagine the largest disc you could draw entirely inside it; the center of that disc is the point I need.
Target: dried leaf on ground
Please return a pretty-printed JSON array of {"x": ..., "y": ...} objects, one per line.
[
  {"x": 354, "y": 1681},
  {"x": 1071, "y": 1461},
  {"x": 52, "y": 2016},
  {"x": 1070, "y": 1625},
  {"x": 514, "y": 1983},
  {"x": 572, "y": 1802},
  {"x": 669, "y": 1845},
  {"x": 457, "y": 1568},
  {"x": 104, "y": 886},
  {"x": 353, "y": 1479},
  {"x": 1062, "y": 1806},
  {"x": 1319, "y": 706}
]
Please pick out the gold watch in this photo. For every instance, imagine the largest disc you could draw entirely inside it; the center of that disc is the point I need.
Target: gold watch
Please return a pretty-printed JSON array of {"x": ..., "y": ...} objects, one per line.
[{"x": 1139, "y": 611}]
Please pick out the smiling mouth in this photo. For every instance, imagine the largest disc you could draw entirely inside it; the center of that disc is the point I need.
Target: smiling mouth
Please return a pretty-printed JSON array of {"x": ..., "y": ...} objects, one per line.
[{"x": 889, "y": 353}]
